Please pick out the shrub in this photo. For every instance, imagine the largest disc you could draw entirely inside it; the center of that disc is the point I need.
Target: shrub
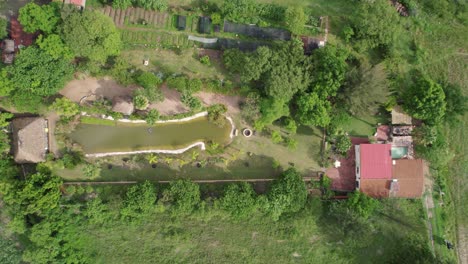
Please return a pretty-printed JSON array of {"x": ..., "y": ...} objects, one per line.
[
  {"x": 91, "y": 171},
  {"x": 276, "y": 137},
  {"x": 152, "y": 116},
  {"x": 362, "y": 204},
  {"x": 140, "y": 101},
  {"x": 70, "y": 190},
  {"x": 183, "y": 195},
  {"x": 148, "y": 80},
  {"x": 216, "y": 19},
  {"x": 205, "y": 60},
  {"x": 343, "y": 144},
  {"x": 291, "y": 143},
  {"x": 179, "y": 83},
  {"x": 216, "y": 114},
  {"x": 190, "y": 101},
  {"x": 194, "y": 85},
  {"x": 239, "y": 200},
  {"x": 290, "y": 125}
]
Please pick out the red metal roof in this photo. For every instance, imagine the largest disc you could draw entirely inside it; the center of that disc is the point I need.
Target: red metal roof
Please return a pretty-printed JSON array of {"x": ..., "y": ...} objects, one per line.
[
  {"x": 77, "y": 2},
  {"x": 376, "y": 161}
]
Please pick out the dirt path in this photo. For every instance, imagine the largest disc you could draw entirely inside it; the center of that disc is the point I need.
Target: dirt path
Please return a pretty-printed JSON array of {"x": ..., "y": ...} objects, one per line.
[
  {"x": 52, "y": 119},
  {"x": 231, "y": 101},
  {"x": 428, "y": 201}
]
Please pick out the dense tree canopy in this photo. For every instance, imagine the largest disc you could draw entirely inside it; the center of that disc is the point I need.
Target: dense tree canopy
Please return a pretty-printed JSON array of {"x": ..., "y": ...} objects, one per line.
[
  {"x": 91, "y": 35},
  {"x": 34, "y": 17},
  {"x": 239, "y": 200},
  {"x": 425, "y": 100},
  {"x": 376, "y": 23},
  {"x": 54, "y": 46},
  {"x": 6, "y": 85},
  {"x": 184, "y": 196},
  {"x": 3, "y": 28},
  {"x": 288, "y": 194},
  {"x": 311, "y": 110},
  {"x": 295, "y": 19},
  {"x": 35, "y": 72},
  {"x": 139, "y": 201}
]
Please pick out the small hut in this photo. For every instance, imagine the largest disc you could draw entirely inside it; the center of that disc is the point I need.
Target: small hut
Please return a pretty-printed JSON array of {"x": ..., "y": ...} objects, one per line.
[
  {"x": 204, "y": 26},
  {"x": 80, "y": 4},
  {"x": 122, "y": 105},
  {"x": 181, "y": 22},
  {"x": 30, "y": 139}
]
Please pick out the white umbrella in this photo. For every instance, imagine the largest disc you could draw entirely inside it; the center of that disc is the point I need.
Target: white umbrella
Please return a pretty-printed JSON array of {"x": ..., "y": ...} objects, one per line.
[{"x": 337, "y": 164}]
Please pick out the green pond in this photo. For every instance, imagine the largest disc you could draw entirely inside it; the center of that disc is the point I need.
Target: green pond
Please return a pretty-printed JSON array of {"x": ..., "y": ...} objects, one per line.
[{"x": 125, "y": 137}]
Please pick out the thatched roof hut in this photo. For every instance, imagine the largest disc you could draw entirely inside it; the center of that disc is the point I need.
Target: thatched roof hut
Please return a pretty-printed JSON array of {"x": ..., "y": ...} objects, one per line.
[
  {"x": 122, "y": 105},
  {"x": 30, "y": 139}
]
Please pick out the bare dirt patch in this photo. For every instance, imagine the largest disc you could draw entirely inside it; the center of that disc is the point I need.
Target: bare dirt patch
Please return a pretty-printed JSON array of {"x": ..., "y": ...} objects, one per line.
[
  {"x": 171, "y": 104},
  {"x": 232, "y": 102},
  {"x": 106, "y": 87}
]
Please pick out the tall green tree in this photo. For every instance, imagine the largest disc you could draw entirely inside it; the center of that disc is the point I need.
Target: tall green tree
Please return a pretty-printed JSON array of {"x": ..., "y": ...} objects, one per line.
[
  {"x": 183, "y": 195},
  {"x": 34, "y": 17},
  {"x": 64, "y": 107},
  {"x": 425, "y": 100},
  {"x": 239, "y": 200},
  {"x": 36, "y": 73},
  {"x": 91, "y": 35},
  {"x": 311, "y": 110},
  {"x": 295, "y": 19},
  {"x": 54, "y": 46},
  {"x": 139, "y": 201},
  {"x": 6, "y": 85},
  {"x": 288, "y": 194},
  {"x": 376, "y": 24},
  {"x": 456, "y": 101}
]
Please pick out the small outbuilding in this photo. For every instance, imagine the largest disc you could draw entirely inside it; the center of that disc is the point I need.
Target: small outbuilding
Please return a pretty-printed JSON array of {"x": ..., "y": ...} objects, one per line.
[
  {"x": 204, "y": 25},
  {"x": 81, "y": 4},
  {"x": 123, "y": 105},
  {"x": 181, "y": 22},
  {"x": 30, "y": 139}
]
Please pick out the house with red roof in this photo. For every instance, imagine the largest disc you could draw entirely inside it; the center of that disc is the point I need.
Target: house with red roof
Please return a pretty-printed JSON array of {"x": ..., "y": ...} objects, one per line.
[
  {"x": 379, "y": 175},
  {"x": 78, "y": 3}
]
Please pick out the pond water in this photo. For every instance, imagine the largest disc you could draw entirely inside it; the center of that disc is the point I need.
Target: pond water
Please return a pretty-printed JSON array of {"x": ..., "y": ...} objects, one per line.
[{"x": 125, "y": 137}]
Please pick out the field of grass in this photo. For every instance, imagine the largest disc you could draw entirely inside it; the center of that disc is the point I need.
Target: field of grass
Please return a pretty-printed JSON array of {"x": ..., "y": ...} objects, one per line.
[
  {"x": 209, "y": 237},
  {"x": 168, "y": 61},
  {"x": 365, "y": 125}
]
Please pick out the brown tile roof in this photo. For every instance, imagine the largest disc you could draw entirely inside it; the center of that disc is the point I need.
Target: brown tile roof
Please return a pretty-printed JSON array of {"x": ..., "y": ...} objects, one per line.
[
  {"x": 409, "y": 174},
  {"x": 377, "y": 188},
  {"x": 29, "y": 139}
]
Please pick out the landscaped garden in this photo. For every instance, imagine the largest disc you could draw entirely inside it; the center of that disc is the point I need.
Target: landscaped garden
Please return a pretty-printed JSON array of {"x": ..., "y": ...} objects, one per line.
[{"x": 297, "y": 79}]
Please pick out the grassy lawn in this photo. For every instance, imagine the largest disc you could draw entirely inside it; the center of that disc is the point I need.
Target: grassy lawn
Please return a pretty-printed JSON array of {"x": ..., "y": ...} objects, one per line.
[
  {"x": 169, "y": 61},
  {"x": 365, "y": 125},
  {"x": 208, "y": 237}
]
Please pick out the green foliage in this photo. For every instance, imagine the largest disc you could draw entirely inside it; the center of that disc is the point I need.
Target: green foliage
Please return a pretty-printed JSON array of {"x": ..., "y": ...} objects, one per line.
[
  {"x": 376, "y": 24},
  {"x": 248, "y": 11},
  {"x": 64, "y": 107},
  {"x": 194, "y": 85},
  {"x": 122, "y": 4},
  {"x": 271, "y": 110},
  {"x": 139, "y": 201},
  {"x": 179, "y": 83},
  {"x": 367, "y": 88},
  {"x": 216, "y": 19},
  {"x": 414, "y": 249},
  {"x": 6, "y": 85},
  {"x": 456, "y": 102},
  {"x": 54, "y": 46},
  {"x": 290, "y": 125},
  {"x": 4, "y": 116},
  {"x": 216, "y": 114},
  {"x": 328, "y": 70},
  {"x": 3, "y": 28},
  {"x": 34, "y": 17},
  {"x": 121, "y": 71},
  {"x": 10, "y": 253},
  {"x": 295, "y": 19},
  {"x": 91, "y": 171},
  {"x": 343, "y": 144},
  {"x": 425, "y": 100},
  {"x": 159, "y": 5},
  {"x": 287, "y": 194},
  {"x": 239, "y": 200},
  {"x": 291, "y": 143},
  {"x": 205, "y": 60},
  {"x": 97, "y": 212},
  {"x": 37, "y": 195},
  {"x": 36, "y": 73},
  {"x": 140, "y": 101},
  {"x": 251, "y": 107},
  {"x": 190, "y": 101},
  {"x": 312, "y": 110},
  {"x": 425, "y": 135},
  {"x": 152, "y": 116},
  {"x": 276, "y": 137},
  {"x": 4, "y": 143},
  {"x": 362, "y": 204},
  {"x": 148, "y": 80},
  {"x": 184, "y": 196},
  {"x": 91, "y": 35}
]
